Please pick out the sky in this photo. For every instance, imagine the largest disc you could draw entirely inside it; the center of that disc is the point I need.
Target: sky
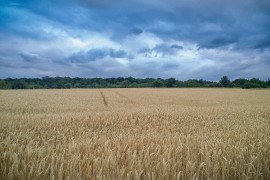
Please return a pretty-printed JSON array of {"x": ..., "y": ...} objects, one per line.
[{"x": 184, "y": 39}]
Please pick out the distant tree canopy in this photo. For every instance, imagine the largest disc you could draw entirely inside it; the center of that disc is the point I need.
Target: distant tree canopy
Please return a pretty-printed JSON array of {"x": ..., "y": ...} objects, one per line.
[
  {"x": 224, "y": 81},
  {"x": 129, "y": 82},
  {"x": 20, "y": 84}
]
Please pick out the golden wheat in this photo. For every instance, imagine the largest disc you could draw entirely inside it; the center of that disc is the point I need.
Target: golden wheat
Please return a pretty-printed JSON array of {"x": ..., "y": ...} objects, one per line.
[{"x": 135, "y": 134}]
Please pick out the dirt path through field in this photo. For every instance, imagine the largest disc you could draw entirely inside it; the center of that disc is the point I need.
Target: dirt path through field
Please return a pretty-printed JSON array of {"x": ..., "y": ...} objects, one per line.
[{"x": 105, "y": 102}]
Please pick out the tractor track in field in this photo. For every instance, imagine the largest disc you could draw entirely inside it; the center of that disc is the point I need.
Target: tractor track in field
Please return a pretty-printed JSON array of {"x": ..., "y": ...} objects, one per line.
[
  {"x": 123, "y": 96},
  {"x": 119, "y": 94},
  {"x": 105, "y": 101}
]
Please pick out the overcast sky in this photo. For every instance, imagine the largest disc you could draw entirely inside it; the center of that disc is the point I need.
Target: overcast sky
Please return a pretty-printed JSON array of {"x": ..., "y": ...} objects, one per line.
[{"x": 183, "y": 39}]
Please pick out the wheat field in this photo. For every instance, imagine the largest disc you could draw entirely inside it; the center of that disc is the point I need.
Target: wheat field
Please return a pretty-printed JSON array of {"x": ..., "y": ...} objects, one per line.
[{"x": 135, "y": 134}]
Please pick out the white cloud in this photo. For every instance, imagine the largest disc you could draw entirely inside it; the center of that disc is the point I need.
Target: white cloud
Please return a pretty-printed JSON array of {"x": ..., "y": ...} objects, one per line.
[{"x": 143, "y": 40}]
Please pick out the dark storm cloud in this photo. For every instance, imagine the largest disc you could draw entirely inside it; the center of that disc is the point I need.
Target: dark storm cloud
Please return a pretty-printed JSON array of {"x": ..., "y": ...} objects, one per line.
[
  {"x": 215, "y": 42},
  {"x": 28, "y": 57},
  {"x": 176, "y": 46},
  {"x": 210, "y": 24},
  {"x": 136, "y": 31},
  {"x": 96, "y": 54},
  {"x": 45, "y": 34},
  {"x": 163, "y": 49}
]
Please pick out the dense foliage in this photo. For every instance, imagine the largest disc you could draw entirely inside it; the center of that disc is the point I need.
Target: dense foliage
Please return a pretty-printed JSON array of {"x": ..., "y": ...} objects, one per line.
[{"x": 120, "y": 82}]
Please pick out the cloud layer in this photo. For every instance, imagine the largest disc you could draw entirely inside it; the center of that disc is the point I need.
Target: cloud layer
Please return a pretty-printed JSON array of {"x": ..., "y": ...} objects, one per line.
[{"x": 90, "y": 38}]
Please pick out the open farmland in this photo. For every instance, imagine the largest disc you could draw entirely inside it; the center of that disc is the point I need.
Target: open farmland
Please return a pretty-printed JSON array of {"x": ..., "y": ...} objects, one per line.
[{"x": 135, "y": 134}]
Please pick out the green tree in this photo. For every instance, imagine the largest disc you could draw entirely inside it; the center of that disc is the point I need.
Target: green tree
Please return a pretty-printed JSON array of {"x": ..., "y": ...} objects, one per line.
[
  {"x": 193, "y": 83},
  {"x": 224, "y": 81},
  {"x": 268, "y": 83},
  {"x": 249, "y": 85},
  {"x": 68, "y": 85},
  {"x": 158, "y": 83},
  {"x": 240, "y": 82},
  {"x": 171, "y": 82},
  {"x": 19, "y": 85},
  {"x": 2, "y": 84},
  {"x": 258, "y": 82}
]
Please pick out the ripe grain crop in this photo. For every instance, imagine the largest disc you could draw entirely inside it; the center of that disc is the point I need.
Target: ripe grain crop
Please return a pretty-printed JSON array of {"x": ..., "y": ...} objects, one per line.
[{"x": 138, "y": 134}]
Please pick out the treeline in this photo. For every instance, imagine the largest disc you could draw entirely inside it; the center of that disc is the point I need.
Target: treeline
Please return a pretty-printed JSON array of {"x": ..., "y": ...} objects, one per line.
[{"x": 120, "y": 82}]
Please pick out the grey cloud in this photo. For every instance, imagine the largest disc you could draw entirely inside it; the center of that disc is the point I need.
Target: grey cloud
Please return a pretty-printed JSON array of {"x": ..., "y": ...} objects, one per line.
[
  {"x": 213, "y": 5},
  {"x": 243, "y": 26},
  {"x": 28, "y": 57},
  {"x": 176, "y": 46},
  {"x": 189, "y": 19},
  {"x": 263, "y": 43},
  {"x": 163, "y": 49},
  {"x": 170, "y": 65},
  {"x": 96, "y": 54},
  {"x": 216, "y": 42},
  {"x": 117, "y": 53},
  {"x": 136, "y": 31},
  {"x": 4, "y": 62},
  {"x": 104, "y": 3}
]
